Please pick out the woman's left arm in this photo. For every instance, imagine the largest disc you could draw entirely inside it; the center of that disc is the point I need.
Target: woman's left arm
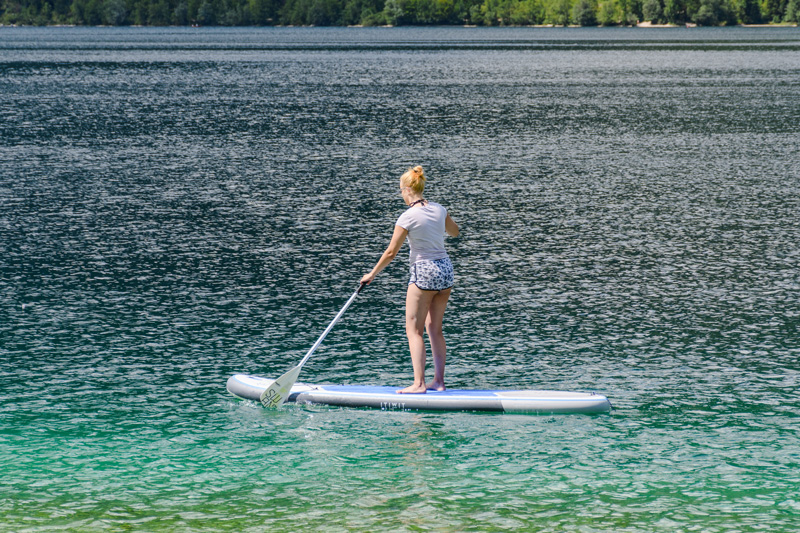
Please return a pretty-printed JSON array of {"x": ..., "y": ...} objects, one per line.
[{"x": 398, "y": 238}]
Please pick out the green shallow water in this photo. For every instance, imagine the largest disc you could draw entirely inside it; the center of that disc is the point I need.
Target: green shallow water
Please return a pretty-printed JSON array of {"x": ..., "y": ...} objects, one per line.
[{"x": 179, "y": 205}]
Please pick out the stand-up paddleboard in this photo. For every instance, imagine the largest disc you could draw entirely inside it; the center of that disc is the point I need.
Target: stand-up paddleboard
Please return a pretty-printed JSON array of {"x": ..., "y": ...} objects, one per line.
[{"x": 386, "y": 398}]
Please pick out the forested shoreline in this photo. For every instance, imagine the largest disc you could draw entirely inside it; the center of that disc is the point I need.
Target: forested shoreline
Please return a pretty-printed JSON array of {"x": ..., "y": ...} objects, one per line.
[{"x": 395, "y": 12}]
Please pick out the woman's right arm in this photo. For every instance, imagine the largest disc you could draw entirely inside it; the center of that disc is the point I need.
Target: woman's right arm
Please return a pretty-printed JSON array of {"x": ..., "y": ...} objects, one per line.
[
  {"x": 450, "y": 227},
  {"x": 398, "y": 238}
]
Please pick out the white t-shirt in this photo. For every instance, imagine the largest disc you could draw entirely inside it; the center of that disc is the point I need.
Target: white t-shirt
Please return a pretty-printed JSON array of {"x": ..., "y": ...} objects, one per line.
[{"x": 425, "y": 226}]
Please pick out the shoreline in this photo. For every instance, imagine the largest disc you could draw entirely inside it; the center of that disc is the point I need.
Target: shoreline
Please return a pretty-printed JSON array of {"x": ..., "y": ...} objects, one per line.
[{"x": 644, "y": 25}]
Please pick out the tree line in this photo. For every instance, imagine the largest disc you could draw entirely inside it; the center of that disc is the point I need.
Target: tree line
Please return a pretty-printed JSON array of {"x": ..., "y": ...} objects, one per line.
[{"x": 396, "y": 12}]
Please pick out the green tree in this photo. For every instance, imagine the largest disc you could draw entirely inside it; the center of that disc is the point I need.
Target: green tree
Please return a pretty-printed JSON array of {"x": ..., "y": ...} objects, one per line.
[
  {"x": 653, "y": 10},
  {"x": 351, "y": 12},
  {"x": 747, "y": 11},
  {"x": 774, "y": 10},
  {"x": 675, "y": 11},
  {"x": 707, "y": 14},
  {"x": 792, "y": 11},
  {"x": 232, "y": 13},
  {"x": 158, "y": 13},
  {"x": 394, "y": 12},
  {"x": 446, "y": 12},
  {"x": 424, "y": 11},
  {"x": 584, "y": 13},
  {"x": 12, "y": 12},
  {"x": 712, "y": 13},
  {"x": 193, "y": 8},
  {"x": 206, "y": 14},
  {"x": 75, "y": 12},
  {"x": 323, "y": 13},
  {"x": 370, "y": 18},
  {"x": 495, "y": 12},
  {"x": 262, "y": 11},
  {"x": 45, "y": 15},
  {"x": 115, "y": 13},
  {"x": 527, "y": 12},
  {"x": 93, "y": 13},
  {"x": 140, "y": 12},
  {"x": 633, "y": 11},
  {"x": 461, "y": 10},
  {"x": 60, "y": 10},
  {"x": 609, "y": 13},
  {"x": 559, "y": 11},
  {"x": 181, "y": 14},
  {"x": 629, "y": 11}
]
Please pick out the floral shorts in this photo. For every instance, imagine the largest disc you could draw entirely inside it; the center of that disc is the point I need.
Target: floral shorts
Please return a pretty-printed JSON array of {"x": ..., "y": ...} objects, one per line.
[{"x": 436, "y": 275}]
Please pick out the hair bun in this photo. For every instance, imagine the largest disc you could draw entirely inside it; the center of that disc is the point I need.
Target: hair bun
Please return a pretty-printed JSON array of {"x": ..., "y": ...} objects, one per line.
[{"x": 414, "y": 178}]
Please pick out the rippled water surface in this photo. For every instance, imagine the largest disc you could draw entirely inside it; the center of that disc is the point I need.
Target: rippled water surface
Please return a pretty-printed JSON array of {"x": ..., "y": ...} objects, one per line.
[{"x": 179, "y": 205}]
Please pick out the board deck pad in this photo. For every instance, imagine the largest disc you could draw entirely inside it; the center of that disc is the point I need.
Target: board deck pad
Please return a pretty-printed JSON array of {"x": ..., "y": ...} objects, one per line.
[{"x": 249, "y": 387}]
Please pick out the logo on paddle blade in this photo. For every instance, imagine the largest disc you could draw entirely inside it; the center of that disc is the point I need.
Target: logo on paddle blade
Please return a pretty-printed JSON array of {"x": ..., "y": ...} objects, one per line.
[{"x": 272, "y": 399}]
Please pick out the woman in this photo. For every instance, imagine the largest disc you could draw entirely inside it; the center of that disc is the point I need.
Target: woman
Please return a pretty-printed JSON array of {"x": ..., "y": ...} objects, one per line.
[{"x": 424, "y": 223}]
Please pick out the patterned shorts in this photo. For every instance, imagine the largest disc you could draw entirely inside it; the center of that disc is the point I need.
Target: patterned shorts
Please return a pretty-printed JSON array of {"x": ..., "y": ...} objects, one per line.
[{"x": 436, "y": 275}]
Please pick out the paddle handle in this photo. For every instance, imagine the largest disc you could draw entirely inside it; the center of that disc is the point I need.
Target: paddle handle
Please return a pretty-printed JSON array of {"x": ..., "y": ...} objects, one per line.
[{"x": 333, "y": 323}]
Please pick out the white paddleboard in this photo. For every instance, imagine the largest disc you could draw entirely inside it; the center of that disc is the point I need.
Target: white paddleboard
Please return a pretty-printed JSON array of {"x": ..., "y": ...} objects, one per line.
[{"x": 509, "y": 401}]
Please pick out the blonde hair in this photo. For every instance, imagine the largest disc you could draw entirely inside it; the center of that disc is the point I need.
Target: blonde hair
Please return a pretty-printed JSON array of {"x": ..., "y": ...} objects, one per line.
[{"x": 414, "y": 178}]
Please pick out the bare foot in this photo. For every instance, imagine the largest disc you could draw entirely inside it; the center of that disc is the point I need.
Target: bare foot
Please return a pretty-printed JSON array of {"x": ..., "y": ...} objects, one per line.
[
  {"x": 414, "y": 389},
  {"x": 437, "y": 386}
]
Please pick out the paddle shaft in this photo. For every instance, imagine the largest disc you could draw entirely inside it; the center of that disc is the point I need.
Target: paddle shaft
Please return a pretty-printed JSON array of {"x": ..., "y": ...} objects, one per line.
[
  {"x": 276, "y": 394},
  {"x": 330, "y": 326}
]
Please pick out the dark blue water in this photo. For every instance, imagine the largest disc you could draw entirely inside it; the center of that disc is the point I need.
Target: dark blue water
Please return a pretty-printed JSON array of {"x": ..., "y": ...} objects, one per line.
[{"x": 179, "y": 205}]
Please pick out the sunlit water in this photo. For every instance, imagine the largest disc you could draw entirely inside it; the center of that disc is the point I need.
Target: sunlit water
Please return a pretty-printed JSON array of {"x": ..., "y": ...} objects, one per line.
[{"x": 180, "y": 205}]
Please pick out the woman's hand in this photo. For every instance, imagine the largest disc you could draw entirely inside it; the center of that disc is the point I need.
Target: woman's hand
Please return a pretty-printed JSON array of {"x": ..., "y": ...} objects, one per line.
[{"x": 368, "y": 278}]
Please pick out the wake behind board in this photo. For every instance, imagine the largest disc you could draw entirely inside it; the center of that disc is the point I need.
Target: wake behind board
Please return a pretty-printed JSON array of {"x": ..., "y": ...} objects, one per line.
[{"x": 509, "y": 401}]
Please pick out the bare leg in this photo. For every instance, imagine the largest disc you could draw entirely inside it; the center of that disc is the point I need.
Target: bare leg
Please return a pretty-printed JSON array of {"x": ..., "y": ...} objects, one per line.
[
  {"x": 418, "y": 303},
  {"x": 433, "y": 325}
]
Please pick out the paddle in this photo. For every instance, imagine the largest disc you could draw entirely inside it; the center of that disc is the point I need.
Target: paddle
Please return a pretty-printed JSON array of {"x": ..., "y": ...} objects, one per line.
[{"x": 277, "y": 393}]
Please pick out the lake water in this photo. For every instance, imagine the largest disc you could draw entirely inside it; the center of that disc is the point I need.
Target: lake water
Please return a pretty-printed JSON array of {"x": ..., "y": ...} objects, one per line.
[{"x": 178, "y": 205}]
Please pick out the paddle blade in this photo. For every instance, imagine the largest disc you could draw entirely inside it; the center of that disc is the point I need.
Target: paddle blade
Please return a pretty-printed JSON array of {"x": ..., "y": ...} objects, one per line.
[{"x": 276, "y": 394}]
